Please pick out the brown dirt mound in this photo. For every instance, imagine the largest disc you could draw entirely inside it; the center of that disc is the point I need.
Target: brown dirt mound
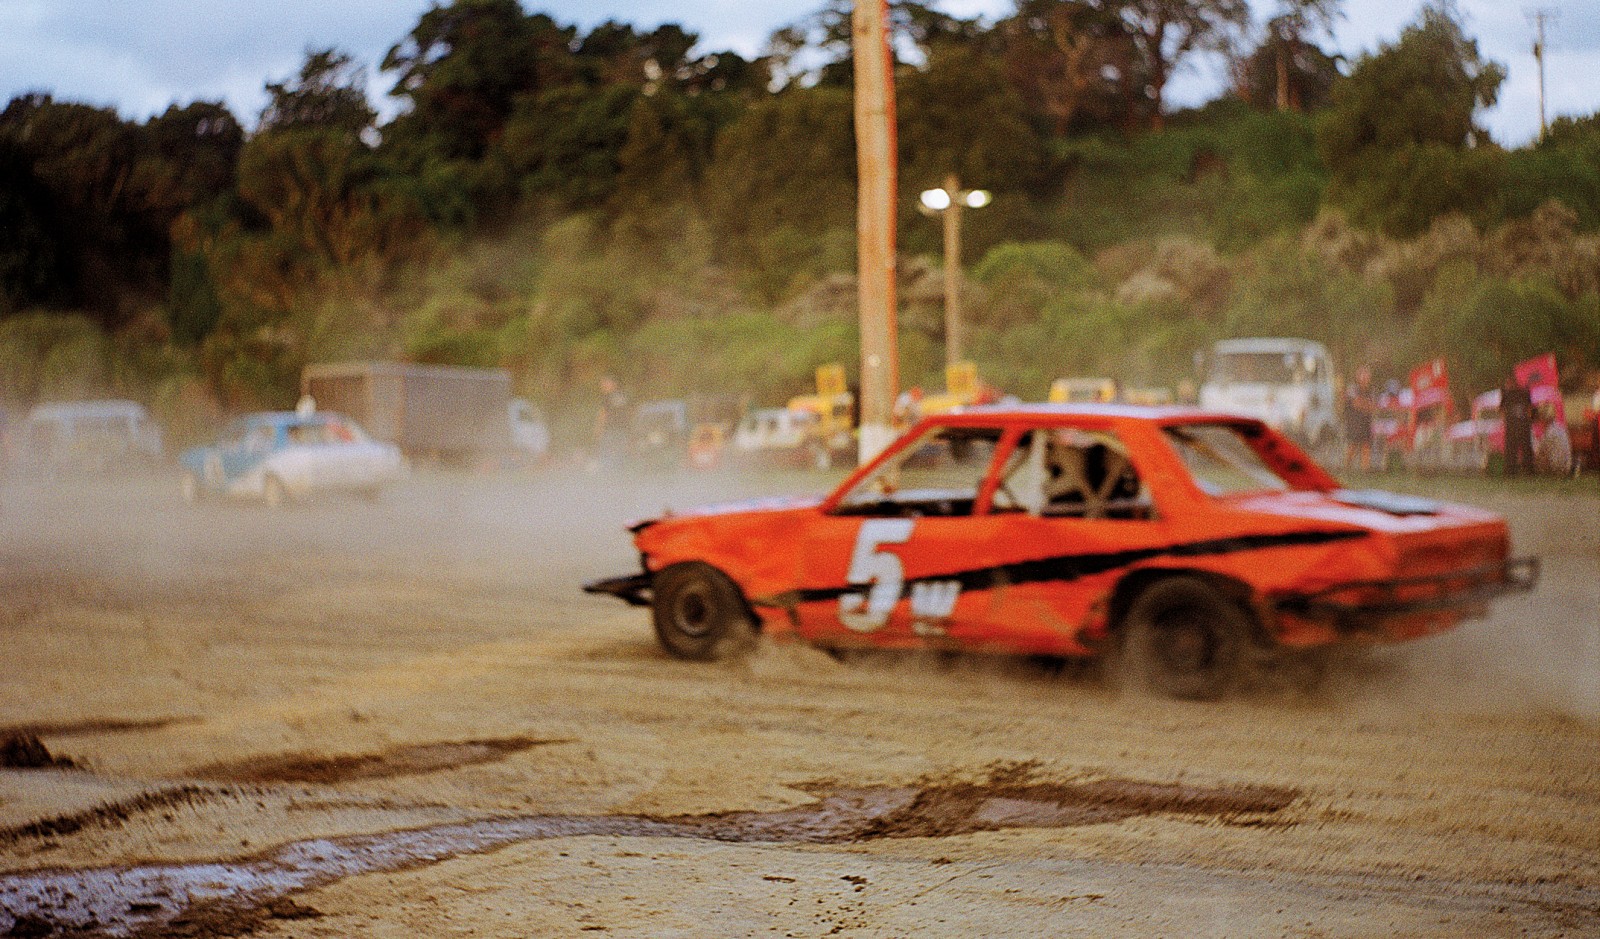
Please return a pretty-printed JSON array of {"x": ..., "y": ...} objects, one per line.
[
  {"x": 397, "y": 761},
  {"x": 26, "y": 751},
  {"x": 92, "y": 726}
]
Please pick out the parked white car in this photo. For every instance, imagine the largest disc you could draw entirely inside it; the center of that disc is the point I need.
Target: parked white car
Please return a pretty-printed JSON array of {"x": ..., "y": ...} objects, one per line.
[
  {"x": 779, "y": 436},
  {"x": 277, "y": 456}
]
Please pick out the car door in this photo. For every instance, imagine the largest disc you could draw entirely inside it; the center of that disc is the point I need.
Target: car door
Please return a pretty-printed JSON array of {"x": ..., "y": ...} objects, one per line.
[
  {"x": 1065, "y": 513},
  {"x": 1072, "y": 512},
  {"x": 884, "y": 568},
  {"x": 246, "y": 448},
  {"x": 338, "y": 456}
]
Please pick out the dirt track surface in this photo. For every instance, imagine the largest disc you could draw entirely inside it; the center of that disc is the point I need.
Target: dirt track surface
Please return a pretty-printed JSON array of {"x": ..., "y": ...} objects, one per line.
[{"x": 403, "y": 719}]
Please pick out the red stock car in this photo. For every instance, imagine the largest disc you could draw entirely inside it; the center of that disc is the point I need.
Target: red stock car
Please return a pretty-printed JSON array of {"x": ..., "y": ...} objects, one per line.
[{"x": 1180, "y": 541}]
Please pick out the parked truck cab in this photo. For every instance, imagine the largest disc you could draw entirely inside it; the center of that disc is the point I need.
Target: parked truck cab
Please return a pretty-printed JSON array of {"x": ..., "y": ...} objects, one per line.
[{"x": 1287, "y": 383}]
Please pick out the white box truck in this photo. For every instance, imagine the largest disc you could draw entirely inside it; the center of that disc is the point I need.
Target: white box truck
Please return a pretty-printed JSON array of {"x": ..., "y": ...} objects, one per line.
[
  {"x": 1288, "y": 383},
  {"x": 444, "y": 412}
]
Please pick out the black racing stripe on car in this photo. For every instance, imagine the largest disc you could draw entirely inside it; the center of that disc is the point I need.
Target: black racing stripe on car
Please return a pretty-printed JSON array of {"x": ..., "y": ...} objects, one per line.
[{"x": 1068, "y": 567}]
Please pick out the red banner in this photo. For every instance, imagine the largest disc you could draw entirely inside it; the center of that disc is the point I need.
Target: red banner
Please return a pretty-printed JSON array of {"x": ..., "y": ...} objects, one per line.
[
  {"x": 1539, "y": 376},
  {"x": 1430, "y": 385}
]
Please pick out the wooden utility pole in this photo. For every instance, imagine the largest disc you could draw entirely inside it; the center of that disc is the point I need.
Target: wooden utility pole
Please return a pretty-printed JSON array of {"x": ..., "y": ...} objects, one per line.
[{"x": 875, "y": 223}]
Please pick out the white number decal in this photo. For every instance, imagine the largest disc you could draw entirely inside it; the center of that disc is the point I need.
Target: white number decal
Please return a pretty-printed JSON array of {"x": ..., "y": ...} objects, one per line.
[
  {"x": 882, "y": 570},
  {"x": 932, "y": 602}
]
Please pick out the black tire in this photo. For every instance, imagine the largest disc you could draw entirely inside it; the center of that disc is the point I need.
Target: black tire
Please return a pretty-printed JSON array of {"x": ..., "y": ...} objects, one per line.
[
  {"x": 1184, "y": 639},
  {"x": 699, "y": 613}
]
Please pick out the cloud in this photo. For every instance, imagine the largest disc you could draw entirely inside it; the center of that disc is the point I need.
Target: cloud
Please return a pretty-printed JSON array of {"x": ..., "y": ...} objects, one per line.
[{"x": 140, "y": 57}]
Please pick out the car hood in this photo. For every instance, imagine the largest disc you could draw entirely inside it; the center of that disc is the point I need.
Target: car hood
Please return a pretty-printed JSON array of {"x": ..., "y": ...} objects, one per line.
[{"x": 737, "y": 507}]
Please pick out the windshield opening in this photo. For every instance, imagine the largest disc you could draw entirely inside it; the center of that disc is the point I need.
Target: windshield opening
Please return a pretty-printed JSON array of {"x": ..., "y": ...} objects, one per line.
[{"x": 1270, "y": 368}]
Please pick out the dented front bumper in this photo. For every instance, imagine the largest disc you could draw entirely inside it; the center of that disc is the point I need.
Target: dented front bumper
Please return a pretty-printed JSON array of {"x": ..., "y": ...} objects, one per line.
[{"x": 633, "y": 589}]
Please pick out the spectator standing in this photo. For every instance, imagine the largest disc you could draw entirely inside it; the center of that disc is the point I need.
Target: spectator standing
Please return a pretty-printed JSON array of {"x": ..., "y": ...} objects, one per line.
[
  {"x": 1358, "y": 407},
  {"x": 610, "y": 425},
  {"x": 1516, "y": 410}
]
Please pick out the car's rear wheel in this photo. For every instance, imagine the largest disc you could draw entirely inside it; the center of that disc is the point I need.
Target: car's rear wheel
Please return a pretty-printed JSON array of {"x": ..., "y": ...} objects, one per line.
[
  {"x": 1183, "y": 638},
  {"x": 699, "y": 613},
  {"x": 274, "y": 493}
]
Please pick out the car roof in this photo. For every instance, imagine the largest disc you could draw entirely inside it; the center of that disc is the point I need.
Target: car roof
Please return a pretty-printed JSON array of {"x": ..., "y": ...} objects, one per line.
[
  {"x": 1143, "y": 412},
  {"x": 291, "y": 417},
  {"x": 76, "y": 409},
  {"x": 1268, "y": 344}
]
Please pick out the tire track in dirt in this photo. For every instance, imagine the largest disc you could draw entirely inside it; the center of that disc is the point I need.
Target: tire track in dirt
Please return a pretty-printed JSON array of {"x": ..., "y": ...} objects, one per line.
[{"x": 112, "y": 814}]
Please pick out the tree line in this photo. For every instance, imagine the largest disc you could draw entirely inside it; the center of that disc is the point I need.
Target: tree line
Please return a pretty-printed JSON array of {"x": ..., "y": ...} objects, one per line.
[{"x": 565, "y": 202}]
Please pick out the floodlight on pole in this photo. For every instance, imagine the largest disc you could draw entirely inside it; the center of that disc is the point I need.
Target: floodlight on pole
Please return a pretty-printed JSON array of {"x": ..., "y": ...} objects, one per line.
[{"x": 948, "y": 203}]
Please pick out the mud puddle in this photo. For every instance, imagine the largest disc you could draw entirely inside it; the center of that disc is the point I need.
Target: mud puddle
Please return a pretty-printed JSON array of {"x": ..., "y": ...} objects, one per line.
[{"x": 232, "y": 897}]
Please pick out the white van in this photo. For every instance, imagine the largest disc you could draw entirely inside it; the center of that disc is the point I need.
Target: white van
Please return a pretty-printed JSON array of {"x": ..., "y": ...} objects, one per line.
[
  {"x": 1288, "y": 383},
  {"x": 90, "y": 435}
]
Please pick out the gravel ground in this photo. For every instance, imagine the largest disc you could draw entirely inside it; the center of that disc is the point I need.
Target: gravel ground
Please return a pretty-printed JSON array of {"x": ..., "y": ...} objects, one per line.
[{"x": 347, "y": 719}]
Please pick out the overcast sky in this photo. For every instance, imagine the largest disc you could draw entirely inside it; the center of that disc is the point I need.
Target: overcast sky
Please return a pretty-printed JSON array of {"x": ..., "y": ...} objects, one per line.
[{"x": 141, "y": 55}]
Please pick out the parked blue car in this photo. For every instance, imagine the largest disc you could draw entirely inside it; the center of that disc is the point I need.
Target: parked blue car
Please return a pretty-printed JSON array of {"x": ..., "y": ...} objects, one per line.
[{"x": 277, "y": 456}]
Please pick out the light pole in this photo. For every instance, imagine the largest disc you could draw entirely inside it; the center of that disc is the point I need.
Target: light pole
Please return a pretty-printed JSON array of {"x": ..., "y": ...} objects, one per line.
[{"x": 948, "y": 202}]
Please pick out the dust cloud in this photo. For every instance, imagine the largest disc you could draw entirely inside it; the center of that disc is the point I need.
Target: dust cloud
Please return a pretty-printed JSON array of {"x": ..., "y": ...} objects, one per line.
[
  {"x": 107, "y": 540},
  {"x": 1537, "y": 653}
]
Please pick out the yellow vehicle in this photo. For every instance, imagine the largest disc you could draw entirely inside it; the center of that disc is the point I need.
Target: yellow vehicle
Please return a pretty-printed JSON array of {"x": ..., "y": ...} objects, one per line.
[
  {"x": 961, "y": 390},
  {"x": 834, "y": 410},
  {"x": 1149, "y": 396},
  {"x": 1082, "y": 390}
]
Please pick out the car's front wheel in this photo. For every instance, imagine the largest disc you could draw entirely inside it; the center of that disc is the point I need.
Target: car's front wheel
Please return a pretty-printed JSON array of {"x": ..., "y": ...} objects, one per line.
[
  {"x": 699, "y": 613},
  {"x": 1183, "y": 638}
]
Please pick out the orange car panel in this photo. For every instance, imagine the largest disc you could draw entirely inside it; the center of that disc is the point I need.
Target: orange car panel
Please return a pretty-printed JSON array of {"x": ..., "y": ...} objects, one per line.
[{"x": 1317, "y": 564}]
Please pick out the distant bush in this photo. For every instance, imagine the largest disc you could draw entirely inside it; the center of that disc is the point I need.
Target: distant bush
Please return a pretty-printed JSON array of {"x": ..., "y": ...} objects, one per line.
[{"x": 50, "y": 356}]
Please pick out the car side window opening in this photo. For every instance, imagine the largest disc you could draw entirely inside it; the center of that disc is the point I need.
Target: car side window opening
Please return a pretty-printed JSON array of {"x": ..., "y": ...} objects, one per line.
[
  {"x": 938, "y": 474},
  {"x": 1067, "y": 472},
  {"x": 1222, "y": 461}
]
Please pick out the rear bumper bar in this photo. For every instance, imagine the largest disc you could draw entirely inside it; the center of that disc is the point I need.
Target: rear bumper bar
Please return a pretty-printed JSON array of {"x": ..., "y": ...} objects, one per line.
[
  {"x": 1354, "y": 605},
  {"x": 633, "y": 589}
]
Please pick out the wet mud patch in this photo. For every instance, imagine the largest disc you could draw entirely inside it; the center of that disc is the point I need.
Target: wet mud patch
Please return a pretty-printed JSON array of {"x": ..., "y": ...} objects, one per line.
[
  {"x": 226, "y": 898},
  {"x": 413, "y": 760}
]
